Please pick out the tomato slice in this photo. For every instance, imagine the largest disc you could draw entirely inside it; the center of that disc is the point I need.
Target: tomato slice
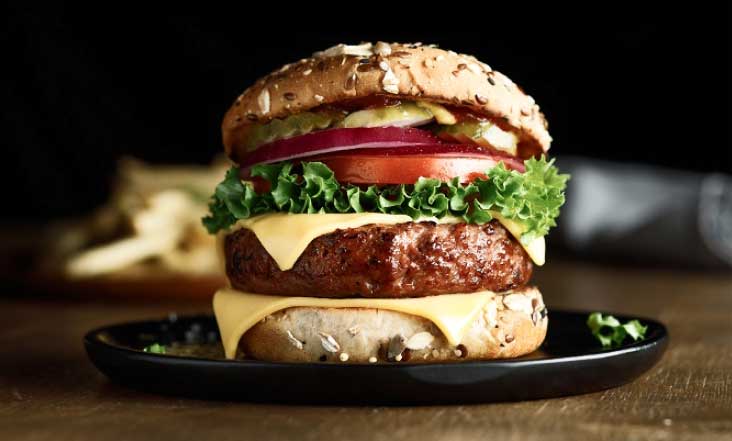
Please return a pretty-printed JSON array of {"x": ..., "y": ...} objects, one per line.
[
  {"x": 380, "y": 170},
  {"x": 384, "y": 170}
]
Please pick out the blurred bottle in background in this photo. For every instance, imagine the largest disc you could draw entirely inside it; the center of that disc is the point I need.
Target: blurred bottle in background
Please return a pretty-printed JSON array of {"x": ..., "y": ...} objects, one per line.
[{"x": 633, "y": 213}]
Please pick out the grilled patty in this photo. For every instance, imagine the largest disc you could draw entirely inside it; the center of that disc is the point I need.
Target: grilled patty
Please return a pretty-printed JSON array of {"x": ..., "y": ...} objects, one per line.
[{"x": 385, "y": 261}]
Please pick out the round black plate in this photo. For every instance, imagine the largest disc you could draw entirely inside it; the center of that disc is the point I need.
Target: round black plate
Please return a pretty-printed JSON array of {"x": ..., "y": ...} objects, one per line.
[{"x": 569, "y": 362}]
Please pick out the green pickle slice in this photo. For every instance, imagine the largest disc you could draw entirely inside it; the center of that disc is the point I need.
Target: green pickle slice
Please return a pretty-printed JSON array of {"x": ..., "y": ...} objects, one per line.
[
  {"x": 404, "y": 114},
  {"x": 293, "y": 125},
  {"x": 483, "y": 133}
]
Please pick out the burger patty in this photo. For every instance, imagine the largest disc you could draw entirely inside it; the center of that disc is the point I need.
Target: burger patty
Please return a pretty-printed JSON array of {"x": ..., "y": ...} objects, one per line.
[{"x": 385, "y": 261}]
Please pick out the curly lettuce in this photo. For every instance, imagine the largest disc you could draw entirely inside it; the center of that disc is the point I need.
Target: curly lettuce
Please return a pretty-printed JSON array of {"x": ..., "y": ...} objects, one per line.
[
  {"x": 611, "y": 333},
  {"x": 532, "y": 198},
  {"x": 155, "y": 348}
]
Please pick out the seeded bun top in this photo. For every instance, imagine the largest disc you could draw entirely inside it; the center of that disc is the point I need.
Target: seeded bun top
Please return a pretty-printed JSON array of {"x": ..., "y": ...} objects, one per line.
[{"x": 409, "y": 71}]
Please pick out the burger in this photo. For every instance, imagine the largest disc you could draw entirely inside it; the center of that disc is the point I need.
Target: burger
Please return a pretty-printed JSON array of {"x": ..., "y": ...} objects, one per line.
[{"x": 387, "y": 204}]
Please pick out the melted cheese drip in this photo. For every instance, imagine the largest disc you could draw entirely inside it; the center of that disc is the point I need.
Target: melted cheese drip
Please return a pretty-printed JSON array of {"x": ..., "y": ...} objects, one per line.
[
  {"x": 237, "y": 312},
  {"x": 536, "y": 249},
  {"x": 285, "y": 236}
]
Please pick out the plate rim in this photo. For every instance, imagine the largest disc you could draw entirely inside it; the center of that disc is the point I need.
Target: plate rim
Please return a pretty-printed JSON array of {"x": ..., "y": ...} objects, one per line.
[{"x": 91, "y": 338}]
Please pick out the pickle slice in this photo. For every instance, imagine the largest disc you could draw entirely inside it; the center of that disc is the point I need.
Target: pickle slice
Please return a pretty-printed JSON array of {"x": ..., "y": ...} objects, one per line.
[
  {"x": 293, "y": 125},
  {"x": 402, "y": 115},
  {"x": 483, "y": 133},
  {"x": 442, "y": 115}
]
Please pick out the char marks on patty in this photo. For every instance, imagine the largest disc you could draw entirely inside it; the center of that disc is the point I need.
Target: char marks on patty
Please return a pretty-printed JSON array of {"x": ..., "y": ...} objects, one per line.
[{"x": 385, "y": 261}]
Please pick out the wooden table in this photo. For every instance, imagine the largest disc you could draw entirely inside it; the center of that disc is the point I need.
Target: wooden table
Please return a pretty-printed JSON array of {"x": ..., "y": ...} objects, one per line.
[{"x": 49, "y": 391}]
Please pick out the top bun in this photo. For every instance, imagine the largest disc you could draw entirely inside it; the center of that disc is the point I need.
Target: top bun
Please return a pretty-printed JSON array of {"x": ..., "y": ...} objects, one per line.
[{"x": 409, "y": 71}]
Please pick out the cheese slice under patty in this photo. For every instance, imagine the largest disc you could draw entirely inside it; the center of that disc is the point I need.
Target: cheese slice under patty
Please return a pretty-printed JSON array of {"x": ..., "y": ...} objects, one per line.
[
  {"x": 237, "y": 312},
  {"x": 285, "y": 236}
]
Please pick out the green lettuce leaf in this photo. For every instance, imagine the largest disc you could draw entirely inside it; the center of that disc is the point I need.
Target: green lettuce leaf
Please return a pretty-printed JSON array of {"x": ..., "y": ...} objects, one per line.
[
  {"x": 611, "y": 333},
  {"x": 532, "y": 198},
  {"x": 155, "y": 348}
]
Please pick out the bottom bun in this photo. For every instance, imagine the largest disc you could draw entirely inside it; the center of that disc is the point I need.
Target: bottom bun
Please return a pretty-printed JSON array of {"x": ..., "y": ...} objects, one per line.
[{"x": 512, "y": 324}]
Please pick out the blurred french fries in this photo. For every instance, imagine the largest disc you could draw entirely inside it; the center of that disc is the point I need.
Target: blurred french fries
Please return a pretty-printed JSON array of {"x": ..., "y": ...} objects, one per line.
[
  {"x": 153, "y": 221},
  {"x": 120, "y": 254}
]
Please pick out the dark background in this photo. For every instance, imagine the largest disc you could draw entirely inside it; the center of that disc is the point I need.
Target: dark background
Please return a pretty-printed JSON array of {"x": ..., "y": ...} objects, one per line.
[{"x": 87, "y": 86}]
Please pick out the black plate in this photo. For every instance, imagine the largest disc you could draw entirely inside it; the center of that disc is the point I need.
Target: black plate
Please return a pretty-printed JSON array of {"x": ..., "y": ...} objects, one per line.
[{"x": 569, "y": 362}]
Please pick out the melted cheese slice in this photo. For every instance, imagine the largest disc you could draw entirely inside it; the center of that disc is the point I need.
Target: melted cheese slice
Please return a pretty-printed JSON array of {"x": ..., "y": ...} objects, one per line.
[
  {"x": 536, "y": 249},
  {"x": 237, "y": 312},
  {"x": 285, "y": 236}
]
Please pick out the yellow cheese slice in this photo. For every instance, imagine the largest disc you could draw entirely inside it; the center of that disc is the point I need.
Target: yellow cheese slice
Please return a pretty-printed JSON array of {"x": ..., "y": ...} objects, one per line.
[
  {"x": 285, "y": 236},
  {"x": 536, "y": 249},
  {"x": 236, "y": 311}
]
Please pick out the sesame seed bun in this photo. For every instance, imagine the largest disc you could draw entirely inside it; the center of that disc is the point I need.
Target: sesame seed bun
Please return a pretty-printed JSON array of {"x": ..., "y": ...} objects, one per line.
[
  {"x": 412, "y": 72},
  {"x": 510, "y": 325}
]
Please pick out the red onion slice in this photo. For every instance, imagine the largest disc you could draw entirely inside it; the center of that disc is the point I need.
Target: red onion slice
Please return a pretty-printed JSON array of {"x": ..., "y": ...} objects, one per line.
[
  {"x": 441, "y": 150},
  {"x": 335, "y": 140}
]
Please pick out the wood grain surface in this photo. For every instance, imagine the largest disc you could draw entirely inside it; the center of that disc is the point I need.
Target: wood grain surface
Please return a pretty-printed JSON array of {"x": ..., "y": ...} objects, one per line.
[{"x": 49, "y": 391}]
